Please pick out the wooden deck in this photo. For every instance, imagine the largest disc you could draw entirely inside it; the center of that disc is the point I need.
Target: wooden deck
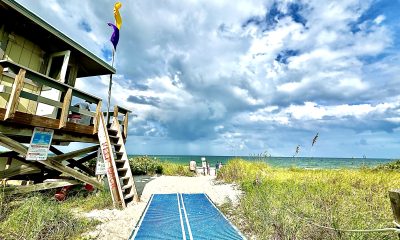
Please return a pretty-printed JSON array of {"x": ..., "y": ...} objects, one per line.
[{"x": 22, "y": 124}]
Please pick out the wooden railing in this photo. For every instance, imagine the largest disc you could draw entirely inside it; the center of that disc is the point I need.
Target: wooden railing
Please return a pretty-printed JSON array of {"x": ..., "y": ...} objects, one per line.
[
  {"x": 23, "y": 75},
  {"x": 121, "y": 115}
]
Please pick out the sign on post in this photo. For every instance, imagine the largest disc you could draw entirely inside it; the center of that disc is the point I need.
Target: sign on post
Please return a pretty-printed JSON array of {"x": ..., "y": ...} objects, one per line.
[
  {"x": 40, "y": 144},
  {"x": 100, "y": 164}
]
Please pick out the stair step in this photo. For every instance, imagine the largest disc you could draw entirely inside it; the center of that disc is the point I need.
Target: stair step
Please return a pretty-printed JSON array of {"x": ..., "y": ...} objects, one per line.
[
  {"x": 120, "y": 161},
  {"x": 112, "y": 132},
  {"x": 117, "y": 147},
  {"x": 113, "y": 139},
  {"x": 126, "y": 186},
  {"x": 128, "y": 196},
  {"x": 124, "y": 178},
  {"x": 122, "y": 169}
]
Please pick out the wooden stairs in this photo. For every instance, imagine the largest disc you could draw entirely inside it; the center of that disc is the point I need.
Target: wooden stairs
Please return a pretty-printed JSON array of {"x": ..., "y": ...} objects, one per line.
[{"x": 119, "y": 174}]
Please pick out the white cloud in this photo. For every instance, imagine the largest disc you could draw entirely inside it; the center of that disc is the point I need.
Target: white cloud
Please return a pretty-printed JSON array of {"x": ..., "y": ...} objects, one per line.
[{"x": 198, "y": 73}]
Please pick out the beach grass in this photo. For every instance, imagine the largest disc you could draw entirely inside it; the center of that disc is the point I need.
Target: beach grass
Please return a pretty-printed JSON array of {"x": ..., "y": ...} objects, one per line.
[
  {"x": 38, "y": 216},
  {"x": 294, "y": 203}
]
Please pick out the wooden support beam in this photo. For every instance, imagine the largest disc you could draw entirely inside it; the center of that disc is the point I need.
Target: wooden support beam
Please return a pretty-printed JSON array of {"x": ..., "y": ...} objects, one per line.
[
  {"x": 73, "y": 154},
  {"x": 87, "y": 158},
  {"x": 97, "y": 118},
  {"x": 20, "y": 148},
  {"x": 20, "y": 170},
  {"x": 14, "y": 96},
  {"x": 73, "y": 162},
  {"x": 394, "y": 196},
  {"x": 8, "y": 163},
  {"x": 13, "y": 145},
  {"x": 65, "y": 108},
  {"x": 39, "y": 186},
  {"x": 8, "y": 154},
  {"x": 71, "y": 172}
]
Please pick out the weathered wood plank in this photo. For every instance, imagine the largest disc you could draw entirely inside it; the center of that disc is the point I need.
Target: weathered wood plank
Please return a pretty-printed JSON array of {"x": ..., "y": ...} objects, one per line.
[
  {"x": 73, "y": 163},
  {"x": 15, "y": 94},
  {"x": 20, "y": 170},
  {"x": 40, "y": 99},
  {"x": 97, "y": 118},
  {"x": 23, "y": 134},
  {"x": 12, "y": 145},
  {"x": 39, "y": 121},
  {"x": 71, "y": 172},
  {"x": 65, "y": 108},
  {"x": 39, "y": 186},
  {"x": 73, "y": 154},
  {"x": 87, "y": 158},
  {"x": 20, "y": 148}
]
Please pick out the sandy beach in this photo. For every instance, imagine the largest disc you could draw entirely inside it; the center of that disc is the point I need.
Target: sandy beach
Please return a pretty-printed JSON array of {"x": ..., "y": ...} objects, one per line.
[{"x": 119, "y": 224}]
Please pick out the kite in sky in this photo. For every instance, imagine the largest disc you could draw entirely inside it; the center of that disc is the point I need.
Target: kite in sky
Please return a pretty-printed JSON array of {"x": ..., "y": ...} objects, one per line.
[
  {"x": 314, "y": 140},
  {"x": 297, "y": 150}
]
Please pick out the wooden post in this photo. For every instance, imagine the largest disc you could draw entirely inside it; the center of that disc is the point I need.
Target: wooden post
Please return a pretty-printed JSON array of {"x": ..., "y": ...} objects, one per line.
[
  {"x": 115, "y": 115},
  {"x": 65, "y": 108},
  {"x": 125, "y": 135},
  {"x": 394, "y": 196},
  {"x": 97, "y": 118},
  {"x": 14, "y": 96}
]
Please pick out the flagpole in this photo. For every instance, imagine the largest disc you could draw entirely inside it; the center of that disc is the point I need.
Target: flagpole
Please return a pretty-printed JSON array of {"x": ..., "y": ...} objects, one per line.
[{"x": 109, "y": 89}]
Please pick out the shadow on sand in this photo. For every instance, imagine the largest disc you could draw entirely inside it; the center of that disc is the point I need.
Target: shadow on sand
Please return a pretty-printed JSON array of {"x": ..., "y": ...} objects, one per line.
[{"x": 141, "y": 181}]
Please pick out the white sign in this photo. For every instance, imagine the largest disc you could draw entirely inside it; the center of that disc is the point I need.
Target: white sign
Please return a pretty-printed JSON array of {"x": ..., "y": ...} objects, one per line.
[
  {"x": 100, "y": 164},
  {"x": 40, "y": 144}
]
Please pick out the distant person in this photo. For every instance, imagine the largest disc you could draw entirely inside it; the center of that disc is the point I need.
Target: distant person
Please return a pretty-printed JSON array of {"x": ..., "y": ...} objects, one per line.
[
  {"x": 204, "y": 166},
  {"x": 192, "y": 166},
  {"x": 208, "y": 168},
  {"x": 220, "y": 165},
  {"x": 216, "y": 168}
]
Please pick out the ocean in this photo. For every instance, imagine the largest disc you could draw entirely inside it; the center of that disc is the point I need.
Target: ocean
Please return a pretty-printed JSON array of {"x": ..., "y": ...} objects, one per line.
[{"x": 286, "y": 162}]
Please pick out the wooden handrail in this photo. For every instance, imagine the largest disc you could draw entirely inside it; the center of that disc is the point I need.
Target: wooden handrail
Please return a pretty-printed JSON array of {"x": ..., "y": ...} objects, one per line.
[
  {"x": 32, "y": 77},
  {"x": 48, "y": 81}
]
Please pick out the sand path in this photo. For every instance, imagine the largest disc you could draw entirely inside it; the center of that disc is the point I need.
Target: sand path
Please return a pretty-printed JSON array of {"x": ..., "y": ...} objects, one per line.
[{"x": 118, "y": 224}]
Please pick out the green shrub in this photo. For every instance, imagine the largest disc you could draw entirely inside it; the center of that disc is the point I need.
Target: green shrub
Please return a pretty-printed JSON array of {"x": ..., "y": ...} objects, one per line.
[
  {"x": 145, "y": 165},
  {"x": 389, "y": 166}
]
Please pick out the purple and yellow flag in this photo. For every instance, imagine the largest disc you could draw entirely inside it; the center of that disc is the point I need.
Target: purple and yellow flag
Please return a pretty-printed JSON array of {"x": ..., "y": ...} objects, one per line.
[{"x": 117, "y": 26}]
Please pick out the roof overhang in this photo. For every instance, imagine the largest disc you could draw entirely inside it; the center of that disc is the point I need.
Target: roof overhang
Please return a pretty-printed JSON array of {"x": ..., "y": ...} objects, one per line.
[{"x": 49, "y": 38}]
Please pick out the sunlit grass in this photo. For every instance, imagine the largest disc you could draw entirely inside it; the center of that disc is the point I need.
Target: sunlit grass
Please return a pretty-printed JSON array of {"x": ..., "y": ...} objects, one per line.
[
  {"x": 39, "y": 216},
  {"x": 281, "y": 203}
]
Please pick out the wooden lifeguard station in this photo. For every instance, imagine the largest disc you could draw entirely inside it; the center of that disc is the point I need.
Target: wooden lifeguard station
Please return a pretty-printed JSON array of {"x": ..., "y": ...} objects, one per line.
[{"x": 38, "y": 69}]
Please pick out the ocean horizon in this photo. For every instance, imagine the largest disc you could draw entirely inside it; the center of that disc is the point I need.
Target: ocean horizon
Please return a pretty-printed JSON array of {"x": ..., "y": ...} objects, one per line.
[{"x": 285, "y": 162}]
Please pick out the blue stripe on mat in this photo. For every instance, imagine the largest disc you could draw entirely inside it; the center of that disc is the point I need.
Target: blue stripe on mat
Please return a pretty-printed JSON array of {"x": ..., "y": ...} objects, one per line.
[
  {"x": 161, "y": 221},
  {"x": 206, "y": 221},
  {"x": 184, "y": 216}
]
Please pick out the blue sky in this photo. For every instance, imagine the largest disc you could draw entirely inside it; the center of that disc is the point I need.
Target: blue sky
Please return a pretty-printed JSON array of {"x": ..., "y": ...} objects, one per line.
[{"x": 245, "y": 77}]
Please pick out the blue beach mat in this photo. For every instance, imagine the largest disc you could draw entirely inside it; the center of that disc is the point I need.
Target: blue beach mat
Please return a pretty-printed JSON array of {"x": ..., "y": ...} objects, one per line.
[{"x": 183, "y": 216}]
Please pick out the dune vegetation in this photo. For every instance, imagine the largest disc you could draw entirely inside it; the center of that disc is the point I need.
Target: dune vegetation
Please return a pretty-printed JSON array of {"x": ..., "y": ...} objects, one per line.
[{"x": 302, "y": 204}]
